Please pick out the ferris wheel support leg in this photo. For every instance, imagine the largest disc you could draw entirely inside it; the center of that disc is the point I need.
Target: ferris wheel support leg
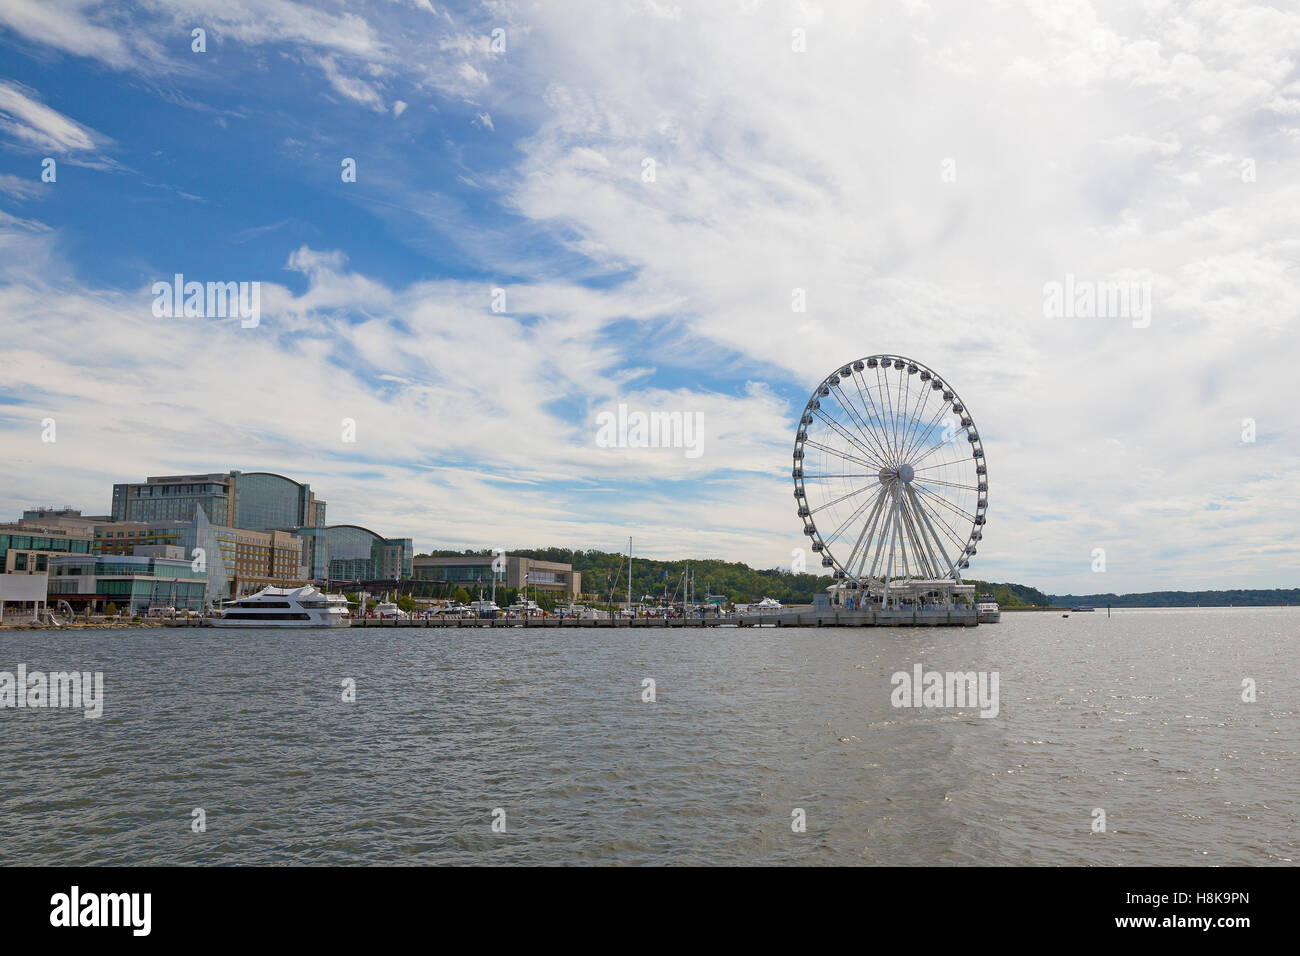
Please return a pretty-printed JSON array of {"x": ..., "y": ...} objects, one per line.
[
  {"x": 893, "y": 543},
  {"x": 868, "y": 530},
  {"x": 926, "y": 518}
]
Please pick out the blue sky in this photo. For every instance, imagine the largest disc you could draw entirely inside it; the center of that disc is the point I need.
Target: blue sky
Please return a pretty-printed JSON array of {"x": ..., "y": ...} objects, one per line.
[{"x": 918, "y": 183}]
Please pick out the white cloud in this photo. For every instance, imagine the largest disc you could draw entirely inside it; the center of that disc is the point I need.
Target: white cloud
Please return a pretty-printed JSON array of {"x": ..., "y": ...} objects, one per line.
[
  {"x": 1096, "y": 141},
  {"x": 351, "y": 87},
  {"x": 68, "y": 27},
  {"x": 20, "y": 188},
  {"x": 35, "y": 125}
]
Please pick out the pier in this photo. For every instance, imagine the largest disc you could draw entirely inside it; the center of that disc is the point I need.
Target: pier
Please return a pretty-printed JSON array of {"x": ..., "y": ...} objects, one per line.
[{"x": 911, "y": 617}]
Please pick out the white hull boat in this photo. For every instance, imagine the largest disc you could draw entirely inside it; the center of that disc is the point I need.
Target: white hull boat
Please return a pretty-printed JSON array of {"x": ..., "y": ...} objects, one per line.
[{"x": 286, "y": 607}]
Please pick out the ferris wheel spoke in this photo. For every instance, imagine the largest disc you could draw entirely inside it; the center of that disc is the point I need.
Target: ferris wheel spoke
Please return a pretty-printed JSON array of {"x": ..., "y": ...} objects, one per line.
[
  {"x": 839, "y": 499},
  {"x": 958, "y": 543},
  {"x": 914, "y": 419},
  {"x": 872, "y": 458},
  {"x": 923, "y": 433},
  {"x": 836, "y": 452},
  {"x": 843, "y": 432},
  {"x": 946, "y": 503},
  {"x": 864, "y": 392},
  {"x": 957, "y": 539},
  {"x": 941, "y": 464},
  {"x": 855, "y": 474},
  {"x": 883, "y": 385},
  {"x": 902, "y": 379},
  {"x": 933, "y": 448},
  {"x": 895, "y": 406},
  {"x": 946, "y": 484},
  {"x": 844, "y": 524},
  {"x": 866, "y": 429}
]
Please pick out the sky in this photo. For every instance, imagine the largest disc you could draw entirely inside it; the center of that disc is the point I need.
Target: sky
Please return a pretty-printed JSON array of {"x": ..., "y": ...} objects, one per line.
[{"x": 702, "y": 208}]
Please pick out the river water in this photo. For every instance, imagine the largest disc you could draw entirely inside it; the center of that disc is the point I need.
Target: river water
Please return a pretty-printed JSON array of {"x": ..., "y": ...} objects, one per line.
[{"x": 1139, "y": 715}]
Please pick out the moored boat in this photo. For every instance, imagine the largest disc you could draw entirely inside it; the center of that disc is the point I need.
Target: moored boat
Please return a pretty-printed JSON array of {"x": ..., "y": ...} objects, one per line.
[
  {"x": 388, "y": 611},
  {"x": 987, "y": 610},
  {"x": 285, "y": 607}
]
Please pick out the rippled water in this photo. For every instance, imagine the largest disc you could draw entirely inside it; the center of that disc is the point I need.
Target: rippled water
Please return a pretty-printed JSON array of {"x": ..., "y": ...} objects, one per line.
[{"x": 1139, "y": 714}]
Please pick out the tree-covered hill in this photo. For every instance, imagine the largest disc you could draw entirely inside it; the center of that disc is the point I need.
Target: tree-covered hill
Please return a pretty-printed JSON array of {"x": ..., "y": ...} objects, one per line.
[
  {"x": 603, "y": 571},
  {"x": 1011, "y": 595},
  {"x": 1274, "y": 597}
]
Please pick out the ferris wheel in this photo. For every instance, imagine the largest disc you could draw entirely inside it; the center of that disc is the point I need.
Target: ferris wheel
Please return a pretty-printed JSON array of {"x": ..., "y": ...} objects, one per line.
[{"x": 890, "y": 479}]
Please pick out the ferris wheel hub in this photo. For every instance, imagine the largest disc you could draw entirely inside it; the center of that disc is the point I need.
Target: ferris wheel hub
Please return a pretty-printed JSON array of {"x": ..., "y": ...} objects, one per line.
[{"x": 891, "y": 474}]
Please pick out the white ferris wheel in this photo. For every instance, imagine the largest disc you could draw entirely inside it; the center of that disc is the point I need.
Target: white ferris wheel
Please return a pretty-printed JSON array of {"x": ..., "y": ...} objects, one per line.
[{"x": 890, "y": 482}]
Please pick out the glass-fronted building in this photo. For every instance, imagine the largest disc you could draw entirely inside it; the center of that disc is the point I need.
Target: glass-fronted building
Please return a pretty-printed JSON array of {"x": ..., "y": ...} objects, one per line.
[
  {"x": 254, "y": 500},
  {"x": 350, "y": 552},
  {"x": 174, "y": 498},
  {"x": 134, "y": 583},
  {"x": 236, "y": 561},
  {"x": 25, "y": 548},
  {"x": 265, "y": 502},
  {"x": 516, "y": 572}
]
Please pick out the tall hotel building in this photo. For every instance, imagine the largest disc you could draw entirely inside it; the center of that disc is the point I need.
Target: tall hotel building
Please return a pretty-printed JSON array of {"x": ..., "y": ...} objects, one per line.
[{"x": 255, "y": 500}]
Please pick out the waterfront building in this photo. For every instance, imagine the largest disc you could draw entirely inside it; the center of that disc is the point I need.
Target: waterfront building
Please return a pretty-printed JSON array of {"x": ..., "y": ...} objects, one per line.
[
  {"x": 255, "y": 500},
  {"x": 264, "y": 559},
  {"x": 266, "y": 502},
  {"x": 175, "y": 498},
  {"x": 234, "y": 560},
  {"x": 254, "y": 529},
  {"x": 156, "y": 577},
  {"x": 27, "y": 545},
  {"x": 27, "y": 591},
  {"x": 350, "y": 552},
  {"x": 471, "y": 571}
]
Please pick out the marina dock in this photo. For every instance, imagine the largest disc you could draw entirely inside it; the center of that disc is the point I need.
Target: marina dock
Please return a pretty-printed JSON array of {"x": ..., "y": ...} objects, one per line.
[{"x": 941, "y": 617}]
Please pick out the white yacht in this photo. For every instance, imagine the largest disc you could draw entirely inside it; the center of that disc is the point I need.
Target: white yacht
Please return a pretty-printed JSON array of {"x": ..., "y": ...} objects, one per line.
[
  {"x": 484, "y": 608},
  {"x": 388, "y": 611},
  {"x": 286, "y": 607},
  {"x": 987, "y": 611}
]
